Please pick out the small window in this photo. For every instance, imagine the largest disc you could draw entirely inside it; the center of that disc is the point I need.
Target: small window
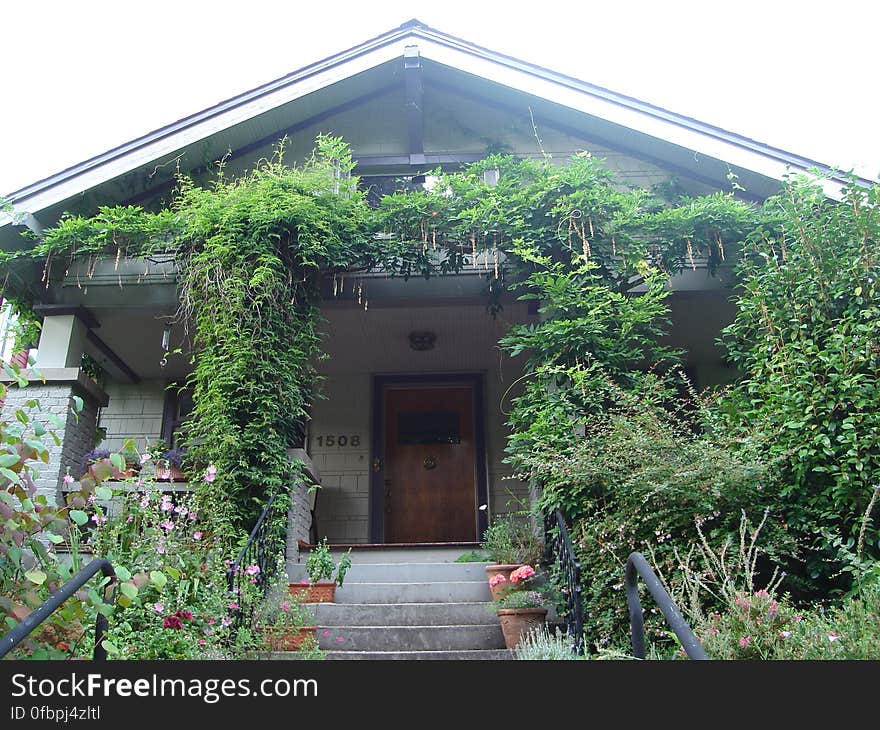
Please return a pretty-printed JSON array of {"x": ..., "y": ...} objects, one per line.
[{"x": 432, "y": 427}]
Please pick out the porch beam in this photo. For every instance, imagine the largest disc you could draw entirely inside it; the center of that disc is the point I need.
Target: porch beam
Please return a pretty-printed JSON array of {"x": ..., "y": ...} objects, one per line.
[
  {"x": 368, "y": 161},
  {"x": 111, "y": 361},
  {"x": 415, "y": 118}
]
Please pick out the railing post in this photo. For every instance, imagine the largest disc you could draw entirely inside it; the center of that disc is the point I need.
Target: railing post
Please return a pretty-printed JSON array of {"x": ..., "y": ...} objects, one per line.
[
  {"x": 637, "y": 566},
  {"x": 559, "y": 549},
  {"x": 12, "y": 638}
]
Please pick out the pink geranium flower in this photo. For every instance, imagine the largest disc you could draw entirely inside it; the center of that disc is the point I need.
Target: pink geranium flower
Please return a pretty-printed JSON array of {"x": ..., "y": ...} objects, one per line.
[
  {"x": 210, "y": 473},
  {"x": 496, "y": 579},
  {"x": 523, "y": 572},
  {"x": 745, "y": 641}
]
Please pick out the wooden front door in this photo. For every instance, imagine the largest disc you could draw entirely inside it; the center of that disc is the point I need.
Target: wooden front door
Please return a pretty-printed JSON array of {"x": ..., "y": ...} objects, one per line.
[{"x": 430, "y": 463}]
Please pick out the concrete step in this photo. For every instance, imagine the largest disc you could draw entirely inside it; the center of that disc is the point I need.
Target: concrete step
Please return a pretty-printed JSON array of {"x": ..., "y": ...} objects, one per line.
[
  {"x": 410, "y": 638},
  {"x": 469, "y": 655},
  {"x": 403, "y": 572},
  {"x": 387, "y": 592},
  {"x": 391, "y": 554},
  {"x": 405, "y": 614},
  {"x": 474, "y": 654}
]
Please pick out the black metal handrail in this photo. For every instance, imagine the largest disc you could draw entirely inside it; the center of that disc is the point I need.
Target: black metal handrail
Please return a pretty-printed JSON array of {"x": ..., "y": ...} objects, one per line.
[
  {"x": 266, "y": 541},
  {"x": 559, "y": 550},
  {"x": 11, "y": 639},
  {"x": 636, "y": 567}
]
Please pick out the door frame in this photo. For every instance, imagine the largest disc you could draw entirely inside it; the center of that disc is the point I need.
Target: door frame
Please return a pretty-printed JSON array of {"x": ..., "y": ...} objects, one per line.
[{"x": 377, "y": 445}]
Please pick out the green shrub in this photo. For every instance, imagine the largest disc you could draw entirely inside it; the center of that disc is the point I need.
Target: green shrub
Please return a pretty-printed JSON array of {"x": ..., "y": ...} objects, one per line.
[
  {"x": 511, "y": 540},
  {"x": 649, "y": 478},
  {"x": 807, "y": 338}
]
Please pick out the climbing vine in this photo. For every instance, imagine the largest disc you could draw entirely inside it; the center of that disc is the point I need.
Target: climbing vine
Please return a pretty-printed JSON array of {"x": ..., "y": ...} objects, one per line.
[{"x": 252, "y": 251}]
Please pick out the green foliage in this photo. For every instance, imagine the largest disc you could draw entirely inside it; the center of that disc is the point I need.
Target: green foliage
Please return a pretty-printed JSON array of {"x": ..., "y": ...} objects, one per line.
[
  {"x": 543, "y": 644},
  {"x": 521, "y": 599},
  {"x": 807, "y": 338},
  {"x": 648, "y": 475},
  {"x": 321, "y": 566},
  {"x": 473, "y": 556},
  {"x": 511, "y": 540}
]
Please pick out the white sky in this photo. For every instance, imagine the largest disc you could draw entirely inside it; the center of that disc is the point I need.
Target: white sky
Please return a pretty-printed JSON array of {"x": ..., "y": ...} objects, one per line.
[{"x": 81, "y": 77}]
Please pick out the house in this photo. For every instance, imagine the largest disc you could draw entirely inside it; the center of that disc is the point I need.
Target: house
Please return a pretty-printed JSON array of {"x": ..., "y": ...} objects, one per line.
[{"x": 408, "y": 441}]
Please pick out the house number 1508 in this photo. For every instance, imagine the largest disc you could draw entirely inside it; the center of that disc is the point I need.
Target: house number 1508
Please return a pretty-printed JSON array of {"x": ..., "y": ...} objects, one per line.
[{"x": 339, "y": 441}]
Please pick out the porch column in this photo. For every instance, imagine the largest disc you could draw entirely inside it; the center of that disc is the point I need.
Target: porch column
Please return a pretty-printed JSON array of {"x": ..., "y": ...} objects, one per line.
[
  {"x": 62, "y": 342},
  {"x": 55, "y": 396},
  {"x": 299, "y": 517}
]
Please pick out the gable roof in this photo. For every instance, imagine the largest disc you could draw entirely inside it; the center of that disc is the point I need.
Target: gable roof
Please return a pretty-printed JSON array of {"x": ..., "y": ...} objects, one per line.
[{"x": 685, "y": 145}]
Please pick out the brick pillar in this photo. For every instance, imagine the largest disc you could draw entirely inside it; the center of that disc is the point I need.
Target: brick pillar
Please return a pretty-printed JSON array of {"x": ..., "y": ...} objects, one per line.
[
  {"x": 77, "y": 436},
  {"x": 299, "y": 517}
]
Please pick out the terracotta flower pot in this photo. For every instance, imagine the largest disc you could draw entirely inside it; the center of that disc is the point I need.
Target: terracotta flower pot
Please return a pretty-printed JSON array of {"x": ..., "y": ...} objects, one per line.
[
  {"x": 314, "y": 592},
  {"x": 499, "y": 588},
  {"x": 287, "y": 639},
  {"x": 516, "y": 622}
]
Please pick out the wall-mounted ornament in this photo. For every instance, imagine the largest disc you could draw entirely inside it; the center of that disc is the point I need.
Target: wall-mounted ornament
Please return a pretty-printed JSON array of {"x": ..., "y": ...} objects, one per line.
[{"x": 422, "y": 340}]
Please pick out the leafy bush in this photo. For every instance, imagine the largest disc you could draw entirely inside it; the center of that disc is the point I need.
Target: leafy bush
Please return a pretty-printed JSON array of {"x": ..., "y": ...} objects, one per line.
[
  {"x": 511, "y": 540},
  {"x": 651, "y": 477},
  {"x": 321, "y": 566},
  {"x": 807, "y": 338}
]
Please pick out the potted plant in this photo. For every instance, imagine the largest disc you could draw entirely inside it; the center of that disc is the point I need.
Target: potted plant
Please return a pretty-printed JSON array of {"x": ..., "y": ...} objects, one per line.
[
  {"x": 324, "y": 574},
  {"x": 509, "y": 542},
  {"x": 284, "y": 624},
  {"x": 93, "y": 457},
  {"x": 167, "y": 463},
  {"x": 520, "y": 608}
]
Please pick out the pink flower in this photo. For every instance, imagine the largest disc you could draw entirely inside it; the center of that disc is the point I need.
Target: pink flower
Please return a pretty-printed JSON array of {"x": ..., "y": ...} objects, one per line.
[
  {"x": 130, "y": 518},
  {"x": 99, "y": 519},
  {"x": 211, "y": 622},
  {"x": 284, "y": 606},
  {"x": 163, "y": 474},
  {"x": 252, "y": 569},
  {"x": 496, "y": 579},
  {"x": 160, "y": 548},
  {"x": 226, "y": 621},
  {"x": 832, "y": 636},
  {"x": 68, "y": 479},
  {"x": 166, "y": 505},
  {"x": 208, "y": 632},
  {"x": 145, "y": 457},
  {"x": 168, "y": 525},
  {"x": 145, "y": 500},
  {"x": 172, "y": 622},
  {"x": 340, "y": 639},
  {"x": 745, "y": 641},
  {"x": 762, "y": 594},
  {"x": 785, "y": 634},
  {"x": 158, "y": 608},
  {"x": 233, "y": 607},
  {"x": 197, "y": 535},
  {"x": 325, "y": 634},
  {"x": 210, "y": 473},
  {"x": 523, "y": 572},
  {"x": 202, "y": 642}
]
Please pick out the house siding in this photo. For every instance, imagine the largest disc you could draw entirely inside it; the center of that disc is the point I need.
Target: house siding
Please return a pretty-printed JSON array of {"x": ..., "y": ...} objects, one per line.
[{"x": 134, "y": 411}]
